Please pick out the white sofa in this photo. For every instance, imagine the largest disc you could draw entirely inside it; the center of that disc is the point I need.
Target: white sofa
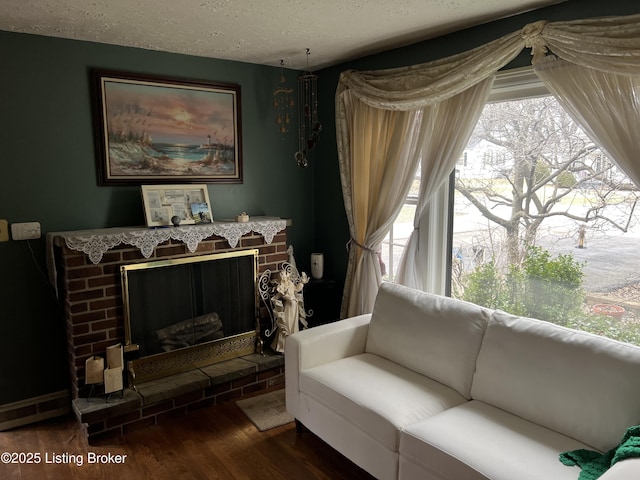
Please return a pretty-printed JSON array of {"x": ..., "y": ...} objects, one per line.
[{"x": 428, "y": 387}]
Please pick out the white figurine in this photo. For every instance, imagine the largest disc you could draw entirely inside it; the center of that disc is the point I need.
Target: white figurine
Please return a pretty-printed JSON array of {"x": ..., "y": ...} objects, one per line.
[{"x": 288, "y": 307}]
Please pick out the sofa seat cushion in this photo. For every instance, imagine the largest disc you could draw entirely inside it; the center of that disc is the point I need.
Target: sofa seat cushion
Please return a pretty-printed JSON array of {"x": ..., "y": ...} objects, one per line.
[
  {"x": 478, "y": 441},
  {"x": 376, "y": 395}
]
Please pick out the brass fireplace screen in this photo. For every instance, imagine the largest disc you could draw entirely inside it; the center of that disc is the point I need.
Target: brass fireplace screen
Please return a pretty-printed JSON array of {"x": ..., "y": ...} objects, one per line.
[{"x": 189, "y": 312}]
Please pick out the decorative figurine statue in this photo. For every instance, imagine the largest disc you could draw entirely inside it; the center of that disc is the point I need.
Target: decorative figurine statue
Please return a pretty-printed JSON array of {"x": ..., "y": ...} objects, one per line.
[{"x": 288, "y": 307}]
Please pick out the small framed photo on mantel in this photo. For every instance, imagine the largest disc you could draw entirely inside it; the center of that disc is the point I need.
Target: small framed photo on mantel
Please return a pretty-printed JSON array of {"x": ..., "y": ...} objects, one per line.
[{"x": 167, "y": 205}]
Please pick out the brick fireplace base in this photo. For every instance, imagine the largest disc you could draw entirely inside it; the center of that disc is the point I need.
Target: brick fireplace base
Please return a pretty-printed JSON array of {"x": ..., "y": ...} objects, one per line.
[
  {"x": 176, "y": 395},
  {"x": 91, "y": 295}
]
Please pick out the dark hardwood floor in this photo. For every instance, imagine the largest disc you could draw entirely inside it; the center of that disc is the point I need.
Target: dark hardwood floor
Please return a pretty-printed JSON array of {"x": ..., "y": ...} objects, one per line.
[{"x": 217, "y": 442}]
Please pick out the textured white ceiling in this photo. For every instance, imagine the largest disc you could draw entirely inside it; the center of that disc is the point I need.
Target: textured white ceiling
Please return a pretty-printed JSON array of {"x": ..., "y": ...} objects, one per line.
[{"x": 257, "y": 31}]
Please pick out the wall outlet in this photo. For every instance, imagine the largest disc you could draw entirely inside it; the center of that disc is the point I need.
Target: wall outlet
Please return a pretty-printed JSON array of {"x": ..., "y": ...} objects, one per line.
[
  {"x": 25, "y": 231},
  {"x": 4, "y": 230}
]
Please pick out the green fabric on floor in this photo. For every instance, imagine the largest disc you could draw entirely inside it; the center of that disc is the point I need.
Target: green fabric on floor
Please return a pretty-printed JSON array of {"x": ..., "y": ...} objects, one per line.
[{"x": 594, "y": 464}]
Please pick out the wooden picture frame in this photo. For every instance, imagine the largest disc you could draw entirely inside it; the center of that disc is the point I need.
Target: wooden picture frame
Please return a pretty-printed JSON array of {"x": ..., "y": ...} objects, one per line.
[
  {"x": 190, "y": 203},
  {"x": 161, "y": 130}
]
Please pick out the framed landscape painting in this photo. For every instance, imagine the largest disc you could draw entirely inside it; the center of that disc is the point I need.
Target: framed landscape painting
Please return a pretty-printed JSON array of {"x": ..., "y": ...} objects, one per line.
[{"x": 157, "y": 130}]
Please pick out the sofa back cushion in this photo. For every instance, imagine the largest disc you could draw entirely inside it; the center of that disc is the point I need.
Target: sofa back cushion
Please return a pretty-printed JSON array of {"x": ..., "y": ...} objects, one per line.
[
  {"x": 581, "y": 385},
  {"x": 433, "y": 335}
]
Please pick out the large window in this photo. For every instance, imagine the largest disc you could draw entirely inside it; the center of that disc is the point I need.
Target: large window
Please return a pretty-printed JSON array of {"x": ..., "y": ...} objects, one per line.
[{"x": 544, "y": 224}]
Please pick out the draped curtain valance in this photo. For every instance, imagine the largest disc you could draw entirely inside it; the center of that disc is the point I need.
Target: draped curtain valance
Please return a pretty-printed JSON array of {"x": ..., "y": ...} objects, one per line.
[{"x": 610, "y": 45}]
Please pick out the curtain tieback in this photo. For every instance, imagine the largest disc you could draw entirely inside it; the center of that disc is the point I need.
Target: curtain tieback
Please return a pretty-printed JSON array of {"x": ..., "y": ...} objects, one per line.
[
  {"x": 378, "y": 253},
  {"x": 357, "y": 244}
]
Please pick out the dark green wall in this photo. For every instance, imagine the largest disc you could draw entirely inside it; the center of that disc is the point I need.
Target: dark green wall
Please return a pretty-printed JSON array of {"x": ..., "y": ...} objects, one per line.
[
  {"x": 48, "y": 174},
  {"x": 331, "y": 226}
]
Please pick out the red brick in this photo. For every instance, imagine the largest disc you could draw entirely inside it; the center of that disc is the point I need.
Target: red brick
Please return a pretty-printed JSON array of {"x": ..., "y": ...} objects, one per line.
[
  {"x": 112, "y": 256},
  {"x": 232, "y": 394},
  {"x": 86, "y": 295},
  {"x": 251, "y": 241},
  {"x": 218, "y": 389},
  {"x": 131, "y": 255},
  {"x": 104, "y": 280},
  {"x": 103, "y": 304},
  {"x": 171, "y": 251},
  {"x": 80, "y": 329},
  {"x": 94, "y": 428},
  {"x": 104, "y": 325},
  {"x": 205, "y": 247},
  {"x": 75, "y": 260},
  {"x": 243, "y": 381},
  {"x": 112, "y": 269},
  {"x": 114, "y": 291},
  {"x": 100, "y": 348},
  {"x": 84, "y": 272},
  {"x": 254, "y": 387},
  {"x": 75, "y": 285},
  {"x": 90, "y": 338},
  {"x": 79, "y": 307},
  {"x": 188, "y": 398},
  {"x": 272, "y": 372},
  {"x": 83, "y": 350},
  {"x": 88, "y": 317},
  {"x": 277, "y": 258},
  {"x": 155, "y": 409},
  {"x": 122, "y": 419}
]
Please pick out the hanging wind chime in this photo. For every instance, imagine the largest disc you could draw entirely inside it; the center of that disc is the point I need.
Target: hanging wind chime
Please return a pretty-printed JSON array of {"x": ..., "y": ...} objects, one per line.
[
  {"x": 283, "y": 102},
  {"x": 308, "y": 125}
]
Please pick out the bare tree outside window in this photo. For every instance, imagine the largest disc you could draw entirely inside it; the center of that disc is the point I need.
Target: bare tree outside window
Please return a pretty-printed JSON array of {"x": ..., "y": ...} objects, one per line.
[{"x": 531, "y": 191}]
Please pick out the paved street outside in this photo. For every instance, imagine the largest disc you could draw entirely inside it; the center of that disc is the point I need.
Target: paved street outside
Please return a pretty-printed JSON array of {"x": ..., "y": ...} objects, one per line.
[{"x": 612, "y": 257}]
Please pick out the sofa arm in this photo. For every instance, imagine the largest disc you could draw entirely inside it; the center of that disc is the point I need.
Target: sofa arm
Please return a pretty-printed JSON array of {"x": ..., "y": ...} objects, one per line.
[
  {"x": 318, "y": 345},
  {"x": 628, "y": 469}
]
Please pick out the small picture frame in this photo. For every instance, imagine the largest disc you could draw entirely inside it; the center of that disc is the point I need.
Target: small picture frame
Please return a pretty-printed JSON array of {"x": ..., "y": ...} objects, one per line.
[
  {"x": 164, "y": 202},
  {"x": 201, "y": 213}
]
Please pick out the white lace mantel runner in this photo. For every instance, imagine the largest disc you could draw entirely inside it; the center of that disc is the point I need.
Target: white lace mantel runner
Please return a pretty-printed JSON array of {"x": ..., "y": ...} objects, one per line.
[{"x": 95, "y": 243}]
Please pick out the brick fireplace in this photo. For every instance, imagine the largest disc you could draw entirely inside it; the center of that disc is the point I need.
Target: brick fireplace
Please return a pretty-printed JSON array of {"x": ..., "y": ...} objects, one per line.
[{"x": 91, "y": 294}]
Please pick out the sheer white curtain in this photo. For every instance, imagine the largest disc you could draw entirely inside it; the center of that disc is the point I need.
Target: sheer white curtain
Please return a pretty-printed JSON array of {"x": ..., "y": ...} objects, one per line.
[
  {"x": 610, "y": 44},
  {"x": 423, "y": 266},
  {"x": 412, "y": 93},
  {"x": 383, "y": 152},
  {"x": 605, "y": 105}
]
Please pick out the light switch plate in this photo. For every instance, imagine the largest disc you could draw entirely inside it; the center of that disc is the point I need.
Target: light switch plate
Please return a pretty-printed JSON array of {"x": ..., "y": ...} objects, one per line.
[{"x": 4, "y": 230}]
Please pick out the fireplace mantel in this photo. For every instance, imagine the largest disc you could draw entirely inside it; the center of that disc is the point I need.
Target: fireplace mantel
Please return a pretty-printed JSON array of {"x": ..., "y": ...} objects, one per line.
[{"x": 95, "y": 243}]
